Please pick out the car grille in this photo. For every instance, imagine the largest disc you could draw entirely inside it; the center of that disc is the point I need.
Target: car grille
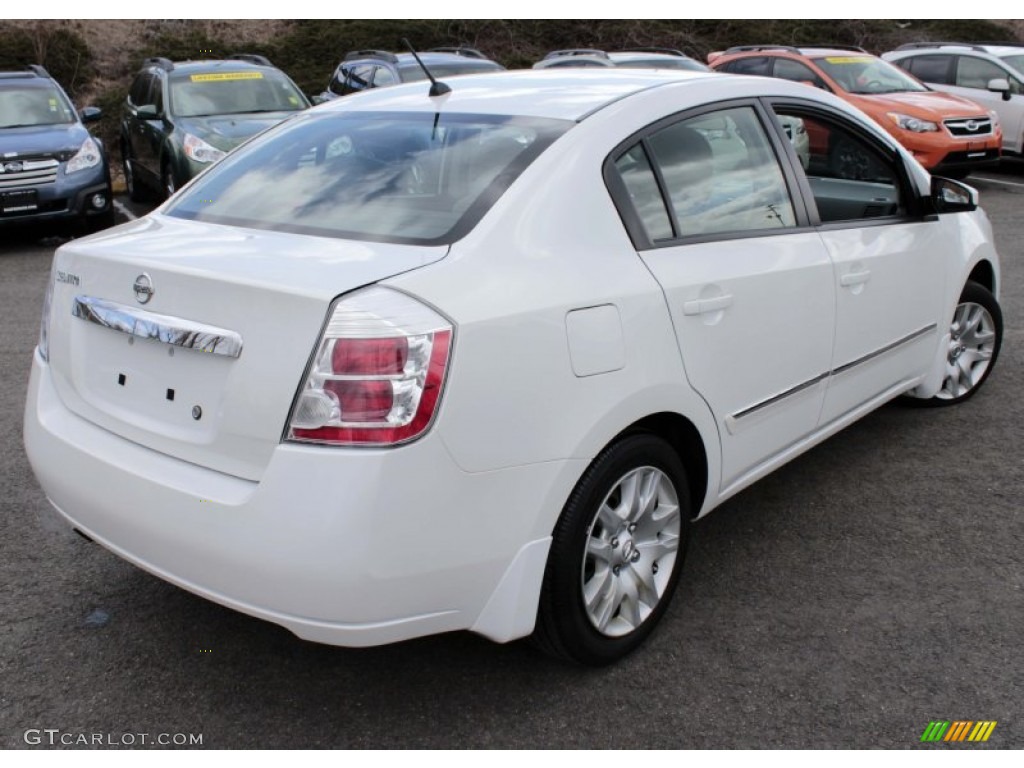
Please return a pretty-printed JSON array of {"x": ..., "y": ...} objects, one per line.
[
  {"x": 969, "y": 126},
  {"x": 27, "y": 173}
]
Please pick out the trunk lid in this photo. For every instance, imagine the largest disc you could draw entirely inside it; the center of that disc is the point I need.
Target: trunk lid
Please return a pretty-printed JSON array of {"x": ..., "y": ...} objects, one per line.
[{"x": 211, "y": 408}]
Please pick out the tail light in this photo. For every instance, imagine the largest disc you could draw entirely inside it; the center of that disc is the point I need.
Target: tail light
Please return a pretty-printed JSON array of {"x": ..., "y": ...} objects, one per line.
[{"x": 378, "y": 372}]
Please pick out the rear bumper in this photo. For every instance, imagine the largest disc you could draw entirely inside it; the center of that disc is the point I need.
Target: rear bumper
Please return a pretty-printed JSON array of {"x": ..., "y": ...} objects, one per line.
[{"x": 348, "y": 547}]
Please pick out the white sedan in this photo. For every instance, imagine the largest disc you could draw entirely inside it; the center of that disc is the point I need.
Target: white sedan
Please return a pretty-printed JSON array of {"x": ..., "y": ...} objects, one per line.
[{"x": 408, "y": 364}]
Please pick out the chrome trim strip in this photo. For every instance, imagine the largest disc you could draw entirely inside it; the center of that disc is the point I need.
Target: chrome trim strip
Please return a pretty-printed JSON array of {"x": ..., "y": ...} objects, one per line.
[
  {"x": 781, "y": 396},
  {"x": 887, "y": 348},
  {"x": 841, "y": 369},
  {"x": 163, "y": 328}
]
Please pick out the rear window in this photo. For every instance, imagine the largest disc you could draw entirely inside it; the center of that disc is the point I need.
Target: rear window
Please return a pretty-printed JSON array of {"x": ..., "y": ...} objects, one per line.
[
  {"x": 412, "y": 73},
  {"x": 418, "y": 178}
]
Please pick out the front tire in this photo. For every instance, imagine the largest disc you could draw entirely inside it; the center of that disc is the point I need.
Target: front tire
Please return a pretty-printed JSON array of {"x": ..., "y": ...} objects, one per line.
[
  {"x": 135, "y": 193},
  {"x": 167, "y": 181},
  {"x": 976, "y": 334},
  {"x": 616, "y": 553}
]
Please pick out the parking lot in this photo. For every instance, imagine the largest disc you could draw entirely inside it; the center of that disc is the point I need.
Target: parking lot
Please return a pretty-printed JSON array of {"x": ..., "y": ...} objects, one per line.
[{"x": 869, "y": 587}]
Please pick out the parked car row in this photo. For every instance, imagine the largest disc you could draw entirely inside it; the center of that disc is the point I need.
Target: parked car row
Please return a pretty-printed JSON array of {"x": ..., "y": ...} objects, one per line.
[{"x": 180, "y": 117}]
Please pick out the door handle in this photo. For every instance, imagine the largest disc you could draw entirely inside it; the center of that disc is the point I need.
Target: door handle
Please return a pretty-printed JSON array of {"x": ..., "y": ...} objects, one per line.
[
  {"x": 854, "y": 278},
  {"x": 703, "y": 306}
]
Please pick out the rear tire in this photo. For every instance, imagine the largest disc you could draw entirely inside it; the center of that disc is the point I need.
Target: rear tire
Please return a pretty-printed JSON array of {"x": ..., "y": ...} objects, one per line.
[{"x": 616, "y": 553}]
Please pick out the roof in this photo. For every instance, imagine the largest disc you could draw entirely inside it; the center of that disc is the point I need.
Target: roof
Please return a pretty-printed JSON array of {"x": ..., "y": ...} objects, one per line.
[
  {"x": 212, "y": 65},
  {"x": 563, "y": 94}
]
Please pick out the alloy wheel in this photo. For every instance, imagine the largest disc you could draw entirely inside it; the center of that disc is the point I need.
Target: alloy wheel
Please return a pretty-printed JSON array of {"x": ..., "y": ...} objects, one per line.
[{"x": 631, "y": 548}]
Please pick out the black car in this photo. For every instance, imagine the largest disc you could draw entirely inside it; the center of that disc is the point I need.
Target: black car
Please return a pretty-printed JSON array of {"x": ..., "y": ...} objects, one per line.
[
  {"x": 374, "y": 69},
  {"x": 182, "y": 116},
  {"x": 51, "y": 168}
]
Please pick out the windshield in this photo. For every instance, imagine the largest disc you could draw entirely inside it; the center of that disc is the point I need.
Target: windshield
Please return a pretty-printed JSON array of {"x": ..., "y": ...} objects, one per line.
[
  {"x": 867, "y": 75},
  {"x": 1016, "y": 61},
  {"x": 24, "y": 105},
  {"x": 411, "y": 73},
  {"x": 233, "y": 93},
  {"x": 418, "y": 178}
]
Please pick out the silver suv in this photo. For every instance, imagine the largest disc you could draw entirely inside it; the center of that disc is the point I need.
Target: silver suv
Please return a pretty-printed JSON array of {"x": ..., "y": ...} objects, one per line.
[
  {"x": 637, "y": 58},
  {"x": 991, "y": 74}
]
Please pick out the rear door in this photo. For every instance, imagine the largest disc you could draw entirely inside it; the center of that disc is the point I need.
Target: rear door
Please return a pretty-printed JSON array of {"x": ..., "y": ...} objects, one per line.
[{"x": 749, "y": 286}]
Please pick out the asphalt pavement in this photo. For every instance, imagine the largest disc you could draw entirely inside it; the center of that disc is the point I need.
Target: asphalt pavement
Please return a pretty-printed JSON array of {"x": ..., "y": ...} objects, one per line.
[{"x": 866, "y": 589}]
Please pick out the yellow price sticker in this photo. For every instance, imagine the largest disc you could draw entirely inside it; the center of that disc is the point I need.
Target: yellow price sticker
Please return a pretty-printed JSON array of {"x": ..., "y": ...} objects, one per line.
[
  {"x": 848, "y": 59},
  {"x": 221, "y": 76}
]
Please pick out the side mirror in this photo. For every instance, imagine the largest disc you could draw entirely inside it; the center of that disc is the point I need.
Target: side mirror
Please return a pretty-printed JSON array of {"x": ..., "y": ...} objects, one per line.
[
  {"x": 950, "y": 196},
  {"x": 147, "y": 112},
  {"x": 90, "y": 114},
  {"x": 319, "y": 99},
  {"x": 1000, "y": 85}
]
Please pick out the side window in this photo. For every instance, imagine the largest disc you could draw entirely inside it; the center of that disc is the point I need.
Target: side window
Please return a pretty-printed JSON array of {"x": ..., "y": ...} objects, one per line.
[
  {"x": 721, "y": 175},
  {"x": 787, "y": 69},
  {"x": 850, "y": 177},
  {"x": 754, "y": 65},
  {"x": 358, "y": 78},
  {"x": 383, "y": 77},
  {"x": 337, "y": 85},
  {"x": 156, "y": 94},
  {"x": 139, "y": 93},
  {"x": 930, "y": 69},
  {"x": 976, "y": 73},
  {"x": 635, "y": 170}
]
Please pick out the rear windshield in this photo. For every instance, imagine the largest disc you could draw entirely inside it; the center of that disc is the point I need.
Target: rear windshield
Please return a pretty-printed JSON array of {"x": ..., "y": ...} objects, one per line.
[
  {"x": 233, "y": 93},
  {"x": 663, "y": 63},
  {"x": 411, "y": 73},
  {"x": 419, "y": 178},
  {"x": 25, "y": 105}
]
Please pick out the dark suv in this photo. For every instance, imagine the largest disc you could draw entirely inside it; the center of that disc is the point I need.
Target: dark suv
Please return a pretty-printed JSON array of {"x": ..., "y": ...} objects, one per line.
[
  {"x": 51, "y": 168},
  {"x": 182, "y": 116},
  {"x": 373, "y": 69}
]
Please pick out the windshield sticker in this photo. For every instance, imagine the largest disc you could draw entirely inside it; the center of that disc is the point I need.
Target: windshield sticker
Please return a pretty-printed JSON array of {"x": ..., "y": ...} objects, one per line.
[
  {"x": 220, "y": 76},
  {"x": 848, "y": 59}
]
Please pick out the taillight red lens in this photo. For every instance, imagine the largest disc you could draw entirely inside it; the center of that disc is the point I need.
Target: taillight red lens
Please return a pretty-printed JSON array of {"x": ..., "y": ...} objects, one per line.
[
  {"x": 378, "y": 372},
  {"x": 361, "y": 400},
  {"x": 377, "y": 357}
]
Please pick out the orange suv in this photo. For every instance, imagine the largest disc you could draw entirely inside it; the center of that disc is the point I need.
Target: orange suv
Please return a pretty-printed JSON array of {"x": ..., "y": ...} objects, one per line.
[{"x": 946, "y": 133}]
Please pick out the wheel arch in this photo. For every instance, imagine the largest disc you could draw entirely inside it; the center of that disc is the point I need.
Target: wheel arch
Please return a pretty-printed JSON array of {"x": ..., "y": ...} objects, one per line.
[
  {"x": 685, "y": 439},
  {"x": 984, "y": 274}
]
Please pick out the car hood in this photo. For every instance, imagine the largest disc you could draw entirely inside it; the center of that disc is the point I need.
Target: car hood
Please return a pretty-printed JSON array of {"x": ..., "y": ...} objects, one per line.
[
  {"x": 228, "y": 131},
  {"x": 926, "y": 104},
  {"x": 60, "y": 141}
]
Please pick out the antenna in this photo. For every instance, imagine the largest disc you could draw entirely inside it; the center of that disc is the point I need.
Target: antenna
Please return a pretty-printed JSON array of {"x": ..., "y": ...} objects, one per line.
[{"x": 436, "y": 88}]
